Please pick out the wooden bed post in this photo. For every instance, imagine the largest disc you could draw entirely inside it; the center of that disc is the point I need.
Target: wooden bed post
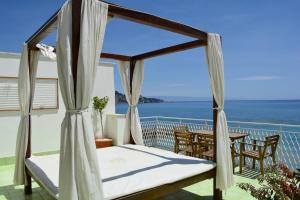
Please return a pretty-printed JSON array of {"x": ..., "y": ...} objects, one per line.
[
  {"x": 76, "y": 19},
  {"x": 28, "y": 186},
  {"x": 132, "y": 66},
  {"x": 217, "y": 192}
]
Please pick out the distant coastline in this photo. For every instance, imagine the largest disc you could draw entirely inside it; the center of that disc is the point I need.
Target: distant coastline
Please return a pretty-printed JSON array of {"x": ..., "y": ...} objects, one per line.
[{"x": 120, "y": 98}]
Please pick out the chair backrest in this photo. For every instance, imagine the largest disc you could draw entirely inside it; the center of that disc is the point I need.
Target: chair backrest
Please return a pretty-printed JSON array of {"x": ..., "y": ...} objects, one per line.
[
  {"x": 205, "y": 140},
  {"x": 180, "y": 129},
  {"x": 183, "y": 138},
  {"x": 182, "y": 135},
  {"x": 272, "y": 141}
]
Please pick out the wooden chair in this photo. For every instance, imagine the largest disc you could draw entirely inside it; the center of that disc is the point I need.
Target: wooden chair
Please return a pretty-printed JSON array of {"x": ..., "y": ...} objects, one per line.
[
  {"x": 184, "y": 141},
  {"x": 267, "y": 148},
  {"x": 234, "y": 154},
  {"x": 205, "y": 147}
]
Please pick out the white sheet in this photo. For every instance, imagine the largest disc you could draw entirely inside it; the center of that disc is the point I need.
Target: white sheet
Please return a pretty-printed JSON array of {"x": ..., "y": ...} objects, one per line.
[{"x": 126, "y": 169}]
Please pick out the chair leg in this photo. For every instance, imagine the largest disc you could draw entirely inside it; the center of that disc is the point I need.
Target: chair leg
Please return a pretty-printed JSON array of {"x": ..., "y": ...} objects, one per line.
[
  {"x": 233, "y": 157},
  {"x": 262, "y": 166},
  {"x": 241, "y": 163},
  {"x": 253, "y": 163},
  {"x": 233, "y": 164},
  {"x": 273, "y": 159},
  {"x": 176, "y": 148}
]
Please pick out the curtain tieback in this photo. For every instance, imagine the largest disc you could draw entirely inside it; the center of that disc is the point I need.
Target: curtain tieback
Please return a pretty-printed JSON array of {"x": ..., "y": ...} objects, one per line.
[
  {"x": 217, "y": 108},
  {"x": 132, "y": 106},
  {"x": 26, "y": 114},
  {"x": 76, "y": 112}
]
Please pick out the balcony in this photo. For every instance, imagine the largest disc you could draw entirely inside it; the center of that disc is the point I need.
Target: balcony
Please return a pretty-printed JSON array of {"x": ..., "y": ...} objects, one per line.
[{"x": 158, "y": 132}]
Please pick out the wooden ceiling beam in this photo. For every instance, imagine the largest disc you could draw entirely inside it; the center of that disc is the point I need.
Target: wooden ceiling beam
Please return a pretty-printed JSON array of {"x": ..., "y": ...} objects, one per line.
[
  {"x": 128, "y": 14},
  {"x": 151, "y": 54},
  {"x": 48, "y": 27},
  {"x": 115, "y": 56},
  {"x": 103, "y": 55},
  {"x": 155, "y": 21},
  {"x": 171, "y": 49}
]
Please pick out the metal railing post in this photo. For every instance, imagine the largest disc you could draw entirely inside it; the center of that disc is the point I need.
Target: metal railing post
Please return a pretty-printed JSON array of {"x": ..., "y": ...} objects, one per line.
[{"x": 156, "y": 130}]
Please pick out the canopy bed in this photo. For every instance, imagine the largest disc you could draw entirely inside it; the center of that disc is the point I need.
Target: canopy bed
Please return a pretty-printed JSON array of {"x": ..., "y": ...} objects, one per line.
[{"x": 87, "y": 173}]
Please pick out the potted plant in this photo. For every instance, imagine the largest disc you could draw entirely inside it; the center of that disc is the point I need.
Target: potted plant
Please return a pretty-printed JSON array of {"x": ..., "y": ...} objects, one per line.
[
  {"x": 99, "y": 104},
  {"x": 279, "y": 183}
]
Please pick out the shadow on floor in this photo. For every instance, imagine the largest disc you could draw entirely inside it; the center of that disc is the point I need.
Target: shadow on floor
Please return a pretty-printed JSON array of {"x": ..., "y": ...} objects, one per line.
[
  {"x": 184, "y": 195},
  {"x": 248, "y": 173},
  {"x": 11, "y": 192}
]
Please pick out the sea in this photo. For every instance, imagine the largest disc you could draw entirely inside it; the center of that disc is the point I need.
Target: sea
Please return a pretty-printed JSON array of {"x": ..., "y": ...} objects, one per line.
[{"x": 262, "y": 111}]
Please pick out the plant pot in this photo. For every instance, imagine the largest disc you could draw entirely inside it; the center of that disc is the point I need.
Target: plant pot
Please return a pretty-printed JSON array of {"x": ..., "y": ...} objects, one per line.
[{"x": 103, "y": 142}]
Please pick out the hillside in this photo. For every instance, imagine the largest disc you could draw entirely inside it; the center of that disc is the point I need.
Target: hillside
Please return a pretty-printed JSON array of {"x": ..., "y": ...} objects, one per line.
[{"x": 120, "y": 98}]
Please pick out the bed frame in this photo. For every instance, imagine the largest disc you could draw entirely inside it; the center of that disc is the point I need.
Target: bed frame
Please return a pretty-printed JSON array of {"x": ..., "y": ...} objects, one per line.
[
  {"x": 117, "y": 11},
  {"x": 152, "y": 193},
  {"x": 160, "y": 191}
]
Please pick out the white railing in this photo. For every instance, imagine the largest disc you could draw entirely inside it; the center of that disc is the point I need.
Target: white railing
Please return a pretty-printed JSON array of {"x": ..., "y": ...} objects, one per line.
[{"x": 158, "y": 132}]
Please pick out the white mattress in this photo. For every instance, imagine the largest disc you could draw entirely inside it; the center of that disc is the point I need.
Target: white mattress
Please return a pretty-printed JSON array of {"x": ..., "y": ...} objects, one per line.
[{"x": 125, "y": 169}]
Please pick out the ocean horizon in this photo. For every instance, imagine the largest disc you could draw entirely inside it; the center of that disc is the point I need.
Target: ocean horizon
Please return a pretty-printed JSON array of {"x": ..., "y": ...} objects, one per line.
[{"x": 263, "y": 111}]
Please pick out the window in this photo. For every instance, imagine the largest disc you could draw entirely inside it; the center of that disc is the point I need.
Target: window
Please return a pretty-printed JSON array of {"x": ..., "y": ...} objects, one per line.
[{"x": 45, "y": 96}]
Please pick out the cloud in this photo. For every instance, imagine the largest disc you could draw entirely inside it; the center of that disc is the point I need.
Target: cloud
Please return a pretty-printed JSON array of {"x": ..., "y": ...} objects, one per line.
[
  {"x": 260, "y": 78},
  {"x": 176, "y": 85}
]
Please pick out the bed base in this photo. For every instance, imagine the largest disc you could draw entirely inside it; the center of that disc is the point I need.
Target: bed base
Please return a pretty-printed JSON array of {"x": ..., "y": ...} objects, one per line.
[
  {"x": 152, "y": 193},
  {"x": 160, "y": 191}
]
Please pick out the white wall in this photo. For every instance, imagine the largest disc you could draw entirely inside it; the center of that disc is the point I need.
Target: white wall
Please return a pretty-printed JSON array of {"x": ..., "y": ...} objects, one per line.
[{"x": 46, "y": 124}]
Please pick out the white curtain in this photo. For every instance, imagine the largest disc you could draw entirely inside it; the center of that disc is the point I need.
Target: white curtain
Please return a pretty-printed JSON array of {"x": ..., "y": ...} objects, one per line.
[
  {"x": 26, "y": 85},
  {"x": 216, "y": 74},
  {"x": 133, "y": 123},
  {"x": 79, "y": 176}
]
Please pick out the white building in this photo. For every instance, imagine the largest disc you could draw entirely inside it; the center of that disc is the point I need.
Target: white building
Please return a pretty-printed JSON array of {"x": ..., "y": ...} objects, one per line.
[{"x": 49, "y": 108}]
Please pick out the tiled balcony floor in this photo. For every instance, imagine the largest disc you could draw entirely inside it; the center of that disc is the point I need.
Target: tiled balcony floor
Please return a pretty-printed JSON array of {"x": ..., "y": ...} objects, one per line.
[{"x": 202, "y": 191}]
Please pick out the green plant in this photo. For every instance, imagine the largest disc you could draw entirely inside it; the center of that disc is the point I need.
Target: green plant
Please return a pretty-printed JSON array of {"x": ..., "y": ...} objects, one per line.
[
  {"x": 279, "y": 183},
  {"x": 99, "y": 104}
]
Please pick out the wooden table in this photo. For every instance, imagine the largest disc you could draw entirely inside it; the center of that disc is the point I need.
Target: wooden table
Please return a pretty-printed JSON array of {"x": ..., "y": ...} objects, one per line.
[{"x": 233, "y": 137}]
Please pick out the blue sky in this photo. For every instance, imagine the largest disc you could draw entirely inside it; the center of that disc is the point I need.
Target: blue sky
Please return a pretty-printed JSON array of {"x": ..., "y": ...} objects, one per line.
[{"x": 260, "y": 42}]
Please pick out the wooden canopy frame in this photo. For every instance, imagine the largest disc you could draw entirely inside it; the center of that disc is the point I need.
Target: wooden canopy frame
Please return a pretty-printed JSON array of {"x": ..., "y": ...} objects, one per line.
[{"x": 116, "y": 11}]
